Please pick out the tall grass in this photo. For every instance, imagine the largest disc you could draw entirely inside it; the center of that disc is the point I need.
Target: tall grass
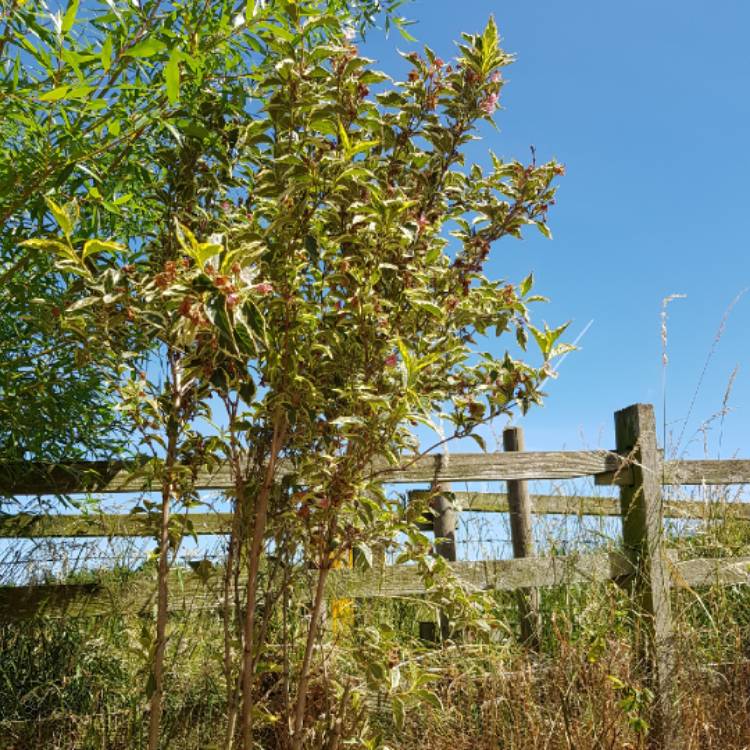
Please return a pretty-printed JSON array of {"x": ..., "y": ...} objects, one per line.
[{"x": 79, "y": 683}]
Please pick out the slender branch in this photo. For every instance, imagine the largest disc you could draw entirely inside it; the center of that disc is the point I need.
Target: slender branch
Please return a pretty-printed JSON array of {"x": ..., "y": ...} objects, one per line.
[
  {"x": 173, "y": 430},
  {"x": 304, "y": 676},
  {"x": 259, "y": 529}
]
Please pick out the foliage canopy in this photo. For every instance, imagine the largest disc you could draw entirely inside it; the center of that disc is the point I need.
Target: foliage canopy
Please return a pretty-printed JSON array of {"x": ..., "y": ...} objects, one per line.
[{"x": 236, "y": 193}]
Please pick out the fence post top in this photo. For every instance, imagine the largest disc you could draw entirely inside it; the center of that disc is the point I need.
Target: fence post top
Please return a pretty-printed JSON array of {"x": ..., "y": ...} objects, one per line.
[
  {"x": 633, "y": 422},
  {"x": 637, "y": 408}
]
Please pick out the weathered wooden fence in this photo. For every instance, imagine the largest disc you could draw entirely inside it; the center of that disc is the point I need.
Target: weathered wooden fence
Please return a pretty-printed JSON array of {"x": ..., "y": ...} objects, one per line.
[{"x": 643, "y": 565}]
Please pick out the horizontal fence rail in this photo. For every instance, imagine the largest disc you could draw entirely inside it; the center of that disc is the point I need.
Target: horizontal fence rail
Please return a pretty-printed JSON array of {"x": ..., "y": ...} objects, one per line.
[
  {"x": 584, "y": 505},
  {"x": 118, "y": 477},
  {"x": 731, "y": 471},
  {"x": 203, "y": 589},
  {"x": 607, "y": 467},
  {"x": 38, "y": 526}
]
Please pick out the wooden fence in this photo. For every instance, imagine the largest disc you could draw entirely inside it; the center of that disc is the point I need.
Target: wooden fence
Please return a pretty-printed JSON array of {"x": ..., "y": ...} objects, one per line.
[{"x": 643, "y": 565}]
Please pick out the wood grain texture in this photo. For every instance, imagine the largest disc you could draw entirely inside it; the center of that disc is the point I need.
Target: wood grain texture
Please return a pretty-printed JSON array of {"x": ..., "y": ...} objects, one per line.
[
  {"x": 642, "y": 531},
  {"x": 138, "y": 595},
  {"x": 522, "y": 540},
  {"x": 605, "y": 466},
  {"x": 707, "y": 472},
  {"x": 33, "y": 526},
  {"x": 476, "y": 467},
  {"x": 93, "y": 476},
  {"x": 501, "y": 575},
  {"x": 191, "y": 591},
  {"x": 706, "y": 572},
  {"x": 590, "y": 505},
  {"x": 100, "y": 476},
  {"x": 29, "y": 526}
]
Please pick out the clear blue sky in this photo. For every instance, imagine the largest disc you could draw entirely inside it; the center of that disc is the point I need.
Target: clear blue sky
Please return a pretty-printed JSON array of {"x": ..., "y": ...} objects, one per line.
[{"x": 646, "y": 103}]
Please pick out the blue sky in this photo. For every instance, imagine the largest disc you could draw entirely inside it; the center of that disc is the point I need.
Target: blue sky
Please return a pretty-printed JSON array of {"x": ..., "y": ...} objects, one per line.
[{"x": 647, "y": 106}]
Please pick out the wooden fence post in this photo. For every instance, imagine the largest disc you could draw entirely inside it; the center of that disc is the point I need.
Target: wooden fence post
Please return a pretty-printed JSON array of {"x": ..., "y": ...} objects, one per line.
[
  {"x": 444, "y": 528},
  {"x": 522, "y": 538},
  {"x": 642, "y": 529}
]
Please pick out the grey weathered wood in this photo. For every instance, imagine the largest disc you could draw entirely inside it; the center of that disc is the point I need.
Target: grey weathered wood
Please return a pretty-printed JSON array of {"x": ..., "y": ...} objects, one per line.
[
  {"x": 711, "y": 571},
  {"x": 642, "y": 523},
  {"x": 94, "y": 476},
  {"x": 476, "y": 467},
  {"x": 498, "y": 575},
  {"x": 622, "y": 476},
  {"x": 444, "y": 522},
  {"x": 588, "y": 505},
  {"x": 116, "y": 477},
  {"x": 31, "y": 525},
  {"x": 522, "y": 540},
  {"x": 444, "y": 528},
  {"x": 707, "y": 472},
  {"x": 132, "y": 597},
  {"x": 605, "y": 466},
  {"x": 192, "y": 591},
  {"x": 540, "y": 572}
]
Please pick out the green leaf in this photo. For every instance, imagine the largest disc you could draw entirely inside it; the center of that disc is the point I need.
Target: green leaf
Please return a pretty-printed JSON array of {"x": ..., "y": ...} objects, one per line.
[
  {"x": 254, "y": 320},
  {"x": 79, "y": 92},
  {"x": 522, "y": 337},
  {"x": 479, "y": 440},
  {"x": 249, "y": 10},
  {"x": 344, "y": 138},
  {"x": 172, "y": 76},
  {"x": 429, "y": 307},
  {"x": 101, "y": 246},
  {"x": 105, "y": 55},
  {"x": 200, "y": 252},
  {"x": 365, "y": 553},
  {"x": 186, "y": 239},
  {"x": 399, "y": 713},
  {"x": 560, "y": 349},
  {"x": 82, "y": 303},
  {"x": 427, "y": 696},
  {"x": 278, "y": 31},
  {"x": 62, "y": 216},
  {"x": 66, "y": 92},
  {"x": 247, "y": 390},
  {"x": 399, "y": 24},
  {"x": 204, "y": 251},
  {"x": 54, "y": 94},
  {"x": 216, "y": 312},
  {"x": 547, "y": 338},
  {"x": 53, "y": 246},
  {"x": 70, "y": 16},
  {"x": 343, "y": 421},
  {"x": 490, "y": 39},
  {"x": 432, "y": 255},
  {"x": 361, "y": 147},
  {"x": 544, "y": 229},
  {"x": 526, "y": 284},
  {"x": 146, "y": 48},
  {"x": 541, "y": 340}
]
